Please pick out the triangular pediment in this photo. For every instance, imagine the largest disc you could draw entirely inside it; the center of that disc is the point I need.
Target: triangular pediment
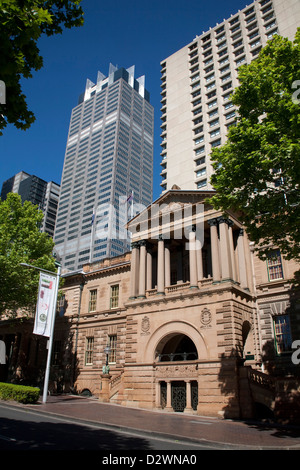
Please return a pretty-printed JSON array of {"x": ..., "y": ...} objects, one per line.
[{"x": 167, "y": 212}]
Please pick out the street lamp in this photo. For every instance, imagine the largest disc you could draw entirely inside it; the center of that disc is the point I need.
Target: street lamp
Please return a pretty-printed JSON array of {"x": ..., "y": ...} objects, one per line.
[
  {"x": 47, "y": 371},
  {"x": 107, "y": 351}
]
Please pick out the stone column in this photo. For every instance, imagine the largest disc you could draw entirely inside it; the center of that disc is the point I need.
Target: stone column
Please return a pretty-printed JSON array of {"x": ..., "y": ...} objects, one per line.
[
  {"x": 226, "y": 265},
  {"x": 232, "y": 251},
  {"x": 242, "y": 259},
  {"x": 199, "y": 260},
  {"x": 104, "y": 392},
  {"x": 157, "y": 395},
  {"x": 142, "y": 270},
  {"x": 215, "y": 256},
  {"x": 134, "y": 270},
  {"x": 167, "y": 263},
  {"x": 161, "y": 266},
  {"x": 149, "y": 269},
  {"x": 193, "y": 261},
  {"x": 169, "y": 397},
  {"x": 188, "y": 408}
]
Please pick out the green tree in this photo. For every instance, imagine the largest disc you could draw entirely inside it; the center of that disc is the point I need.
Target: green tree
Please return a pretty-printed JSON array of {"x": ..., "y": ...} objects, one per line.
[
  {"x": 21, "y": 241},
  {"x": 22, "y": 24},
  {"x": 257, "y": 170}
]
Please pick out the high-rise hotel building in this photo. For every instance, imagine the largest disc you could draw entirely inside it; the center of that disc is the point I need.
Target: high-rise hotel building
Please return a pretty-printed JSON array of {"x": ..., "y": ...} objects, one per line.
[
  {"x": 108, "y": 159},
  {"x": 197, "y": 82}
]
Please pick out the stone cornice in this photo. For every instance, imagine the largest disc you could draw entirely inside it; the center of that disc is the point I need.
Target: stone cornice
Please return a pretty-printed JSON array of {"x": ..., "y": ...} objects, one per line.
[{"x": 106, "y": 269}]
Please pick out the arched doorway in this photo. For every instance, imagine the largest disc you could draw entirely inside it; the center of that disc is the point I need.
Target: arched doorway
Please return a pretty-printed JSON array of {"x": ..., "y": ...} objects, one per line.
[{"x": 177, "y": 353}]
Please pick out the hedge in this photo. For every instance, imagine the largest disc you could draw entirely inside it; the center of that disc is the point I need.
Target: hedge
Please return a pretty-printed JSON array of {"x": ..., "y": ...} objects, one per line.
[{"x": 19, "y": 393}]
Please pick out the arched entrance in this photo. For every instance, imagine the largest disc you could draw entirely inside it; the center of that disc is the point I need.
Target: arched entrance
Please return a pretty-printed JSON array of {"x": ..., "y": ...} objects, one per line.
[{"x": 177, "y": 355}]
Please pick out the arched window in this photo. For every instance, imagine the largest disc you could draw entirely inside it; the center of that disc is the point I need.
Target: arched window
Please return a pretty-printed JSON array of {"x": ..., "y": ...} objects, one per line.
[{"x": 176, "y": 347}]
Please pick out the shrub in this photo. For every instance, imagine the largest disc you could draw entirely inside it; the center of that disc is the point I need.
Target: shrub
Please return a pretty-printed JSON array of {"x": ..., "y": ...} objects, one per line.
[{"x": 19, "y": 393}]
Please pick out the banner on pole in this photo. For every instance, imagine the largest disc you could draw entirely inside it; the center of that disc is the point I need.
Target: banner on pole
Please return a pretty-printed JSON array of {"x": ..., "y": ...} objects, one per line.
[{"x": 45, "y": 307}]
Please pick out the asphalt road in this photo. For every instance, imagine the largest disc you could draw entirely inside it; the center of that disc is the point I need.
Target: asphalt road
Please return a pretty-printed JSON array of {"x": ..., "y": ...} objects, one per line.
[{"x": 27, "y": 430}]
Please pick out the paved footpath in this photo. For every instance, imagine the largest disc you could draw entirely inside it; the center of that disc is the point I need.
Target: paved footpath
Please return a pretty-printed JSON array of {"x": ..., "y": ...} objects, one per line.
[{"x": 234, "y": 434}]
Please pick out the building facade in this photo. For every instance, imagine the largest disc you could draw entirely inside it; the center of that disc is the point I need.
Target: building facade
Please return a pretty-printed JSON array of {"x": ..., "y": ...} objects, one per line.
[
  {"x": 107, "y": 168},
  {"x": 41, "y": 193},
  {"x": 198, "y": 80},
  {"x": 183, "y": 314},
  {"x": 187, "y": 321}
]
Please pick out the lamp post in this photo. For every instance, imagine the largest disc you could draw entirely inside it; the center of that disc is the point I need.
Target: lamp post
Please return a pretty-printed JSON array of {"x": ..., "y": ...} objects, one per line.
[
  {"x": 107, "y": 351},
  {"x": 105, "y": 378},
  {"x": 47, "y": 371}
]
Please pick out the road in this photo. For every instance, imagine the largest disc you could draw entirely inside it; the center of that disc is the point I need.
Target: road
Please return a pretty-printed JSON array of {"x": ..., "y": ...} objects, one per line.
[{"x": 27, "y": 430}]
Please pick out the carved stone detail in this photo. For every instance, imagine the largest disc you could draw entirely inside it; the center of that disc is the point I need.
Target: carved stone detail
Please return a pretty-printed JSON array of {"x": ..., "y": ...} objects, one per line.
[{"x": 145, "y": 327}]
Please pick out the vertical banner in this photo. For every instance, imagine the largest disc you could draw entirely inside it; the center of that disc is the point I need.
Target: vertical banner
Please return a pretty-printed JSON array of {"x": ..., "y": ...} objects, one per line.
[{"x": 45, "y": 305}]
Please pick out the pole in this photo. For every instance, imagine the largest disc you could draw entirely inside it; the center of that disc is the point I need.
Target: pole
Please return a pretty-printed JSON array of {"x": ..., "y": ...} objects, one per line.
[{"x": 50, "y": 341}]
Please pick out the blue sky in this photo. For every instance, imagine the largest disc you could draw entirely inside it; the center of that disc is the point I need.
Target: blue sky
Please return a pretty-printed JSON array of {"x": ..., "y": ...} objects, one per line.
[{"x": 125, "y": 33}]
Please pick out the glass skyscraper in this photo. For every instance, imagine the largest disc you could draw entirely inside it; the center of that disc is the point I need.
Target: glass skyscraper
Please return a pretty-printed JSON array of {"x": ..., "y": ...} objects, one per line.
[{"x": 107, "y": 168}]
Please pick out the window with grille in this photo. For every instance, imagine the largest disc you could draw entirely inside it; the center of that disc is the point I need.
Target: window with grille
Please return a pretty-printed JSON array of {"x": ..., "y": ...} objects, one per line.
[
  {"x": 114, "y": 296},
  {"x": 274, "y": 265},
  {"x": 89, "y": 350},
  {"x": 93, "y": 300},
  {"x": 283, "y": 339}
]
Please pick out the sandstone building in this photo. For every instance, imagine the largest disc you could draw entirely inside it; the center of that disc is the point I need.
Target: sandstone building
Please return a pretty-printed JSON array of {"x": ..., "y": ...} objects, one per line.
[
  {"x": 189, "y": 317},
  {"x": 183, "y": 314}
]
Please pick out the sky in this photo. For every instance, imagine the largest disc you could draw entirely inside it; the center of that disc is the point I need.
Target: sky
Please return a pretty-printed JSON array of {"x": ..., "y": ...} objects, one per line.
[{"x": 124, "y": 33}]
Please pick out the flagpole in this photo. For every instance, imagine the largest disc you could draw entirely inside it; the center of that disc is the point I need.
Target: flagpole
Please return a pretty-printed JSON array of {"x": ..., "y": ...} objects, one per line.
[
  {"x": 50, "y": 341},
  {"x": 47, "y": 373}
]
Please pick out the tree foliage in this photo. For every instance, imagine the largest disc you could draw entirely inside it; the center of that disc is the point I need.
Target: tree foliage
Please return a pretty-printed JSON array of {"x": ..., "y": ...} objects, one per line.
[
  {"x": 21, "y": 241},
  {"x": 22, "y": 24},
  {"x": 257, "y": 171}
]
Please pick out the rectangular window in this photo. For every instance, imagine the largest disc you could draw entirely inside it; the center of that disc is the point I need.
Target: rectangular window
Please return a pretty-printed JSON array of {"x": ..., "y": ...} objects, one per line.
[
  {"x": 274, "y": 265},
  {"x": 200, "y": 150},
  {"x": 215, "y": 133},
  {"x": 230, "y": 115},
  {"x": 210, "y": 77},
  {"x": 200, "y": 161},
  {"x": 213, "y": 113},
  {"x": 89, "y": 350},
  {"x": 282, "y": 330},
  {"x": 212, "y": 104},
  {"x": 201, "y": 172},
  {"x": 197, "y": 111},
  {"x": 212, "y": 85},
  {"x": 114, "y": 296},
  {"x": 199, "y": 140},
  {"x": 93, "y": 300},
  {"x": 201, "y": 184},
  {"x": 113, "y": 348},
  {"x": 214, "y": 123},
  {"x": 216, "y": 143}
]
